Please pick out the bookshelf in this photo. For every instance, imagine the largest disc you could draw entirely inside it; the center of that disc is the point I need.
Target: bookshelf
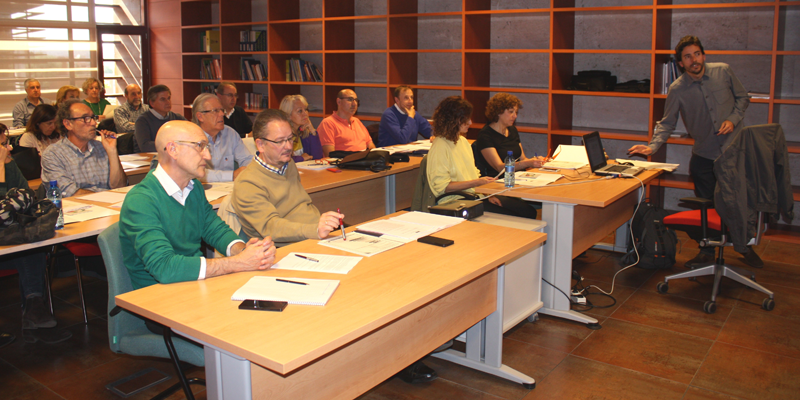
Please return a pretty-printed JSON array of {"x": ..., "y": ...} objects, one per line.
[{"x": 476, "y": 48}]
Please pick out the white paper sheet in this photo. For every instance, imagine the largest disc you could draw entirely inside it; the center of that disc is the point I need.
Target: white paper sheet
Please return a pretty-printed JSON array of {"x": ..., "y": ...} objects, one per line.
[
  {"x": 363, "y": 245},
  {"x": 212, "y": 195},
  {"x": 78, "y": 212},
  {"x": 325, "y": 263},
  {"x": 134, "y": 164},
  {"x": 105, "y": 197},
  {"x": 650, "y": 165},
  {"x": 397, "y": 230},
  {"x": 568, "y": 157},
  {"x": 437, "y": 221},
  {"x": 132, "y": 157},
  {"x": 526, "y": 178}
]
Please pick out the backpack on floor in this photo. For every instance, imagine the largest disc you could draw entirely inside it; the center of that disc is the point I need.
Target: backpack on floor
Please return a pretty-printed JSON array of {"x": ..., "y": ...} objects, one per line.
[{"x": 654, "y": 241}]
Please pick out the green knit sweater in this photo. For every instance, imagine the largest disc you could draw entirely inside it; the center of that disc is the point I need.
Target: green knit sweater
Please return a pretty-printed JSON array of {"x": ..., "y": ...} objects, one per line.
[
  {"x": 268, "y": 204},
  {"x": 161, "y": 238}
]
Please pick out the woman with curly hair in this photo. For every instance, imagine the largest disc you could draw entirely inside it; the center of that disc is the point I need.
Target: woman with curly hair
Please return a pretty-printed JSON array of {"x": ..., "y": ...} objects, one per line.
[
  {"x": 451, "y": 165},
  {"x": 306, "y": 144},
  {"x": 41, "y": 130},
  {"x": 500, "y": 136}
]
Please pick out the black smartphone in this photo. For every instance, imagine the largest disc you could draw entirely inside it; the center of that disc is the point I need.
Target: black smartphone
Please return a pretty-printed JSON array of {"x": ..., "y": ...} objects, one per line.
[
  {"x": 436, "y": 241},
  {"x": 262, "y": 305}
]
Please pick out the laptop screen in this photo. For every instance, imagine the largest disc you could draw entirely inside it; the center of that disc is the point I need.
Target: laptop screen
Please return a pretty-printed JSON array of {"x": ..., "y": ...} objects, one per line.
[{"x": 594, "y": 150}]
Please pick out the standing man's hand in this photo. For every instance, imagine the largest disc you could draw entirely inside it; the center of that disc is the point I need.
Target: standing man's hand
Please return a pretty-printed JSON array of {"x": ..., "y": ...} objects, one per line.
[
  {"x": 411, "y": 112},
  {"x": 726, "y": 128},
  {"x": 640, "y": 149}
]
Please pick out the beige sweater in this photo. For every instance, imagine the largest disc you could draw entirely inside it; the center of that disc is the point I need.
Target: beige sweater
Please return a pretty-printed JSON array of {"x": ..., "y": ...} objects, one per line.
[{"x": 272, "y": 205}]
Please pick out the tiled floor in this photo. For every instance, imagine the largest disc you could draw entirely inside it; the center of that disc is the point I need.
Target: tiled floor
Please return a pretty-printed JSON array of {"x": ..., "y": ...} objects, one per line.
[{"x": 651, "y": 346}]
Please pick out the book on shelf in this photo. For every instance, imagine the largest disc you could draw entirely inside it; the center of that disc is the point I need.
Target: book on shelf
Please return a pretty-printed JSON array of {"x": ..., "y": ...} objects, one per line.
[
  {"x": 252, "y": 40},
  {"x": 209, "y": 41},
  {"x": 252, "y": 70},
  {"x": 255, "y": 101},
  {"x": 758, "y": 95},
  {"x": 670, "y": 72},
  {"x": 210, "y": 68},
  {"x": 299, "y": 70}
]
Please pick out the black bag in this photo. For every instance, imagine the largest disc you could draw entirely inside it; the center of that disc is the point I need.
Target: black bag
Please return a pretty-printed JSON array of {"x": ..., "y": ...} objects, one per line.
[
  {"x": 24, "y": 220},
  {"x": 634, "y": 86},
  {"x": 373, "y": 160},
  {"x": 654, "y": 241},
  {"x": 593, "y": 81}
]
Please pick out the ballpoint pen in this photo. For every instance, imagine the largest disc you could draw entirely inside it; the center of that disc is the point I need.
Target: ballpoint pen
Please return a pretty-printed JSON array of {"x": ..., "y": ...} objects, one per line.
[
  {"x": 341, "y": 224},
  {"x": 288, "y": 281},
  {"x": 307, "y": 258}
]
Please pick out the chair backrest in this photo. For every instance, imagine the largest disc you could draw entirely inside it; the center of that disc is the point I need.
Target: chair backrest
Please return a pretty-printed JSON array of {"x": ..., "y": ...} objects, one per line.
[
  {"x": 125, "y": 143},
  {"x": 423, "y": 196},
  {"x": 29, "y": 162},
  {"x": 373, "y": 130},
  {"x": 480, "y": 162}
]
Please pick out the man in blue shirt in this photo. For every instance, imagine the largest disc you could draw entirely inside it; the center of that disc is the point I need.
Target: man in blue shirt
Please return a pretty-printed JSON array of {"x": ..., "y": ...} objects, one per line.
[
  {"x": 400, "y": 123},
  {"x": 229, "y": 155}
]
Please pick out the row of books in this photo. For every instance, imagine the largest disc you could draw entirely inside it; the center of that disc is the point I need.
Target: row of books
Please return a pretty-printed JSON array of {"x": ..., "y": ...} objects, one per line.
[
  {"x": 298, "y": 70},
  {"x": 252, "y": 40},
  {"x": 670, "y": 72},
  {"x": 210, "y": 69},
  {"x": 255, "y": 101},
  {"x": 209, "y": 41},
  {"x": 252, "y": 70}
]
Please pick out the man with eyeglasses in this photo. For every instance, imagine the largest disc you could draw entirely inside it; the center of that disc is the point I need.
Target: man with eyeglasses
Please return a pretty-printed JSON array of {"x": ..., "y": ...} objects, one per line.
[
  {"x": 268, "y": 197},
  {"x": 159, "y": 98},
  {"x": 343, "y": 131},
  {"x": 80, "y": 163},
  {"x": 229, "y": 156},
  {"x": 24, "y": 108},
  {"x": 235, "y": 117},
  {"x": 166, "y": 217}
]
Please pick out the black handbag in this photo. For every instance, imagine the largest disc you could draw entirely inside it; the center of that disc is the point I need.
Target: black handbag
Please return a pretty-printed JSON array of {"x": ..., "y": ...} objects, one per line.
[
  {"x": 593, "y": 81},
  {"x": 373, "y": 160},
  {"x": 25, "y": 220}
]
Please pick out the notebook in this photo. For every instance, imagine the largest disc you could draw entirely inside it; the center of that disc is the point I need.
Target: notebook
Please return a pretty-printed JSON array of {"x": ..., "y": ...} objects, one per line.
[
  {"x": 317, "y": 292},
  {"x": 597, "y": 158}
]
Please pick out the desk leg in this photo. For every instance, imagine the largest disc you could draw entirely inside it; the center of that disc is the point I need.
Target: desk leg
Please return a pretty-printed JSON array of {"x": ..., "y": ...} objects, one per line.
[
  {"x": 621, "y": 238},
  {"x": 484, "y": 350},
  {"x": 557, "y": 265},
  {"x": 391, "y": 194},
  {"x": 227, "y": 375}
]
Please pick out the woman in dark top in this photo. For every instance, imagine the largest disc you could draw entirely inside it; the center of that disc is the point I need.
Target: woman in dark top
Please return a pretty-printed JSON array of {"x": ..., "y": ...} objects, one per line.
[{"x": 500, "y": 136}]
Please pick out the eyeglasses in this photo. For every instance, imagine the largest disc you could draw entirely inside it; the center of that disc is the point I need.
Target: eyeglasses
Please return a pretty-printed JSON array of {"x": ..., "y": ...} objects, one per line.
[
  {"x": 200, "y": 146},
  {"x": 87, "y": 119},
  {"x": 215, "y": 111},
  {"x": 351, "y": 99},
  {"x": 283, "y": 142}
]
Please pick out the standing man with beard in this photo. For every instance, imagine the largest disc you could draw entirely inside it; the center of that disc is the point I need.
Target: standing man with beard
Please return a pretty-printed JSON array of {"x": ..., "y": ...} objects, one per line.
[
  {"x": 79, "y": 163},
  {"x": 343, "y": 131},
  {"x": 711, "y": 101}
]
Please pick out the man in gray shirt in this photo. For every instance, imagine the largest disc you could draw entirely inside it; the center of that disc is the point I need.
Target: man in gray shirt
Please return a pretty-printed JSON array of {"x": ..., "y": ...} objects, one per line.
[
  {"x": 711, "y": 101},
  {"x": 24, "y": 108}
]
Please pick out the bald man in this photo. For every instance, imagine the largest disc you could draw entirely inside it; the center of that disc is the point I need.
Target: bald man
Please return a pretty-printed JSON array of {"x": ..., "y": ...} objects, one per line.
[
  {"x": 166, "y": 216},
  {"x": 342, "y": 130}
]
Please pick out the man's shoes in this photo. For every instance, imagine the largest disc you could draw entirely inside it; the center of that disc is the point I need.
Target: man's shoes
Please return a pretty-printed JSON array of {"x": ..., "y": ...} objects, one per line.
[
  {"x": 6, "y": 339},
  {"x": 700, "y": 260},
  {"x": 417, "y": 373},
  {"x": 752, "y": 259},
  {"x": 36, "y": 315},
  {"x": 47, "y": 336}
]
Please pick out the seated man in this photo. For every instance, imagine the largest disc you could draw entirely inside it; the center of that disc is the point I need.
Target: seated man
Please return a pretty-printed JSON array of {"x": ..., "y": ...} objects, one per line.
[
  {"x": 165, "y": 218},
  {"x": 235, "y": 117},
  {"x": 126, "y": 114},
  {"x": 24, "y": 108},
  {"x": 79, "y": 163},
  {"x": 227, "y": 148},
  {"x": 400, "y": 123},
  {"x": 159, "y": 98},
  {"x": 268, "y": 196},
  {"x": 343, "y": 131}
]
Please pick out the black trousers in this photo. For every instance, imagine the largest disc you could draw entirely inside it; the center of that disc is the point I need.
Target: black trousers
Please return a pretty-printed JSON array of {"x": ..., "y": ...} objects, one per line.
[
  {"x": 512, "y": 206},
  {"x": 701, "y": 170}
]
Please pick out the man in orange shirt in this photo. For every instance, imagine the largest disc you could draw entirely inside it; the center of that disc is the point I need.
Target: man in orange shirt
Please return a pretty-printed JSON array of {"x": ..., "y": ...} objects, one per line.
[{"x": 343, "y": 131}]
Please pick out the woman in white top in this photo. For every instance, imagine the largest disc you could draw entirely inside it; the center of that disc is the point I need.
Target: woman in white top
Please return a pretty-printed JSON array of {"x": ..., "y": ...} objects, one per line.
[{"x": 41, "y": 130}]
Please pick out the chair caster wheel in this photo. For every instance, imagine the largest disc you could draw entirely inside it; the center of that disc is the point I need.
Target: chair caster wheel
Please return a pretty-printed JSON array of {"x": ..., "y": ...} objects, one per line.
[
  {"x": 594, "y": 326},
  {"x": 768, "y": 304},
  {"x": 662, "y": 287},
  {"x": 529, "y": 385},
  {"x": 710, "y": 307},
  {"x": 533, "y": 317}
]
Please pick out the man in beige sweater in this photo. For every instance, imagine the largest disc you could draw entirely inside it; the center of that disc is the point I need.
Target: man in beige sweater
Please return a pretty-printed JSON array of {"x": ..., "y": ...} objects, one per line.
[{"x": 268, "y": 196}]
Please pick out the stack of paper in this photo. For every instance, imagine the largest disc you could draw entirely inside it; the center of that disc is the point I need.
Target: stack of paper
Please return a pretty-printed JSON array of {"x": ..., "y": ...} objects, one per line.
[
  {"x": 315, "y": 292},
  {"x": 78, "y": 212},
  {"x": 525, "y": 178},
  {"x": 568, "y": 157},
  {"x": 434, "y": 220}
]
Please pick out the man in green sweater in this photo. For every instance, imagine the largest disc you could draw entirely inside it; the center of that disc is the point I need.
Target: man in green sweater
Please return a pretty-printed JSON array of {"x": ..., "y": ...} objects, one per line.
[
  {"x": 166, "y": 216},
  {"x": 268, "y": 197}
]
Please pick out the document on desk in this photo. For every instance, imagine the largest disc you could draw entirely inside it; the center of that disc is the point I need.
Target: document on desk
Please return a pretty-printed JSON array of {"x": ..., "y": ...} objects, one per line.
[
  {"x": 226, "y": 187},
  {"x": 568, "y": 157},
  {"x": 212, "y": 195},
  {"x": 433, "y": 220},
  {"x": 134, "y": 164},
  {"x": 315, "y": 164},
  {"x": 105, "y": 197},
  {"x": 396, "y": 230},
  {"x": 78, "y": 212},
  {"x": 124, "y": 189},
  {"x": 315, "y": 292},
  {"x": 650, "y": 165},
  {"x": 526, "y": 178},
  {"x": 132, "y": 157},
  {"x": 361, "y": 244},
  {"x": 317, "y": 263}
]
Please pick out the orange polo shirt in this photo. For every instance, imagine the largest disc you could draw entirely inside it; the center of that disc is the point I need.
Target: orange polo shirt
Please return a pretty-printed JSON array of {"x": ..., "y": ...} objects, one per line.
[{"x": 334, "y": 131}]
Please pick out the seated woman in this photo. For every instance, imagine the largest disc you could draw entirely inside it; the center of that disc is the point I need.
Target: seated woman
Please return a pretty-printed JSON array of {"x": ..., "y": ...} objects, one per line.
[
  {"x": 451, "y": 166},
  {"x": 65, "y": 93},
  {"x": 92, "y": 88},
  {"x": 306, "y": 143},
  {"x": 41, "y": 130},
  {"x": 500, "y": 136}
]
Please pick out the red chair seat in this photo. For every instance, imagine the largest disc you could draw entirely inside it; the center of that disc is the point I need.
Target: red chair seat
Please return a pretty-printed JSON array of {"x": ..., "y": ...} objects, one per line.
[
  {"x": 692, "y": 218},
  {"x": 83, "y": 249}
]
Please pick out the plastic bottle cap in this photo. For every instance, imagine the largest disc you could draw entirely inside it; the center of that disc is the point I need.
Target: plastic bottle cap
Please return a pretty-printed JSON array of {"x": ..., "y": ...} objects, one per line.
[{"x": 53, "y": 183}]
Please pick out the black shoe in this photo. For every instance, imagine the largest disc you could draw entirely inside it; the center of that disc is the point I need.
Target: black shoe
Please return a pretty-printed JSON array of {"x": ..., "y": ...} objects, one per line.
[
  {"x": 36, "y": 315},
  {"x": 417, "y": 373},
  {"x": 752, "y": 259},
  {"x": 47, "y": 336},
  {"x": 700, "y": 260},
  {"x": 6, "y": 339}
]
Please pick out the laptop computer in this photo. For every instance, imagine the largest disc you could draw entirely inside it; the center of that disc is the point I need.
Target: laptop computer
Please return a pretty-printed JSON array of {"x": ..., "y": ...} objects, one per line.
[{"x": 597, "y": 159}]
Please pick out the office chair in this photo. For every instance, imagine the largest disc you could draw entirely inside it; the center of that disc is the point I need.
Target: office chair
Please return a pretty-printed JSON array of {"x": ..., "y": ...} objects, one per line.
[
  {"x": 423, "y": 195},
  {"x": 78, "y": 250},
  {"x": 28, "y": 161},
  {"x": 127, "y": 332}
]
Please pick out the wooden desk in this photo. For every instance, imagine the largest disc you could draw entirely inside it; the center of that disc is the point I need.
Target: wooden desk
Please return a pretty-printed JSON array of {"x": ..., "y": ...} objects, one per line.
[
  {"x": 389, "y": 311},
  {"x": 363, "y": 195},
  {"x": 578, "y": 217}
]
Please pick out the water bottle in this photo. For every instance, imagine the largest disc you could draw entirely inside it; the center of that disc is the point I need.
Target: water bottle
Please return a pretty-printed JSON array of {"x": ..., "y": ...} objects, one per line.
[
  {"x": 54, "y": 195},
  {"x": 509, "y": 178}
]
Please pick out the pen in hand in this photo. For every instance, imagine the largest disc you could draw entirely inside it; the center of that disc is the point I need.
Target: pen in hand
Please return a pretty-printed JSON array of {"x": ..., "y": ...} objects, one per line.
[
  {"x": 306, "y": 258},
  {"x": 341, "y": 225},
  {"x": 288, "y": 281}
]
